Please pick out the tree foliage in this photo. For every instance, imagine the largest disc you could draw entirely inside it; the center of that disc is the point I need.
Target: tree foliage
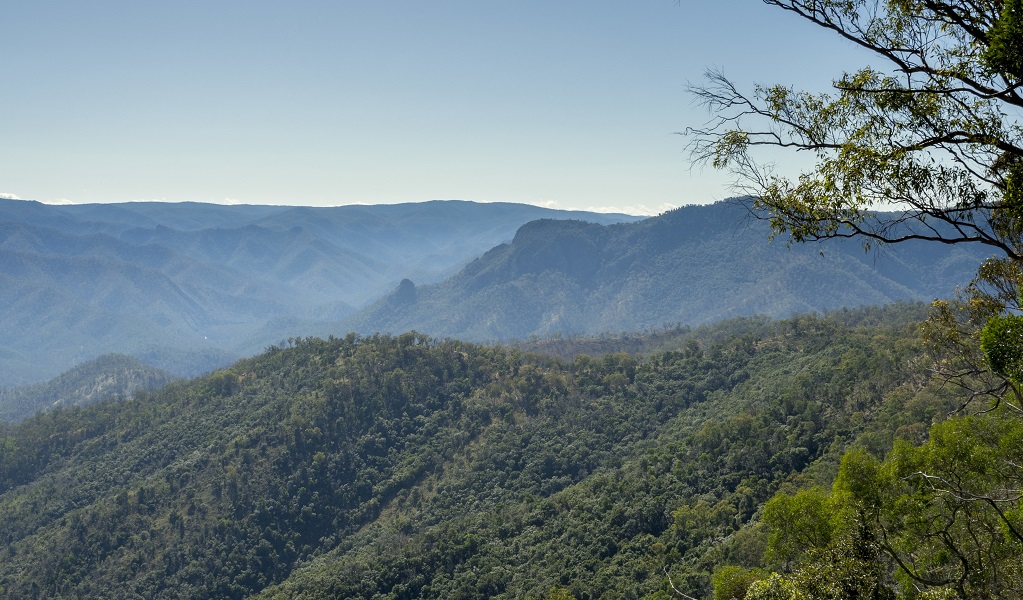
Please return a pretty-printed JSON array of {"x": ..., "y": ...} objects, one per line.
[
  {"x": 925, "y": 144},
  {"x": 933, "y": 132}
]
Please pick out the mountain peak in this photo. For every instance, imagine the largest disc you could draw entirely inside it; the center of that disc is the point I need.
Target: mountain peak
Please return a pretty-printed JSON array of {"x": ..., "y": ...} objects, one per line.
[{"x": 406, "y": 292}]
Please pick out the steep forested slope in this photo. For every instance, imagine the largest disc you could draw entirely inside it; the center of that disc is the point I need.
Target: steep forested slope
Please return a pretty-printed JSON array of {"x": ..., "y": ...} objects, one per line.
[
  {"x": 216, "y": 282},
  {"x": 693, "y": 265},
  {"x": 402, "y": 467}
]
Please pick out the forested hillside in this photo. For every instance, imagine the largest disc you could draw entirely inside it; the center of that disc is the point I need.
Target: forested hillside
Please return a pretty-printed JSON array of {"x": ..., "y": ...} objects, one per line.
[
  {"x": 406, "y": 467},
  {"x": 106, "y": 377},
  {"x": 693, "y": 265},
  {"x": 190, "y": 287}
]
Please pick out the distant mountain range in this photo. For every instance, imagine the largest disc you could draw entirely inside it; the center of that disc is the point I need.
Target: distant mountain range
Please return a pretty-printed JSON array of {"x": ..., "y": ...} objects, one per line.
[
  {"x": 692, "y": 265},
  {"x": 187, "y": 287}
]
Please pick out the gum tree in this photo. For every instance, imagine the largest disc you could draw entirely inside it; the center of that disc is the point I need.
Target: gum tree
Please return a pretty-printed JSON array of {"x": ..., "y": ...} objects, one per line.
[{"x": 925, "y": 144}]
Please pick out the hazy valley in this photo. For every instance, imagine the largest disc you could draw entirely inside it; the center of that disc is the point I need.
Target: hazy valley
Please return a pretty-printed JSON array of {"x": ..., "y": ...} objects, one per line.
[{"x": 188, "y": 287}]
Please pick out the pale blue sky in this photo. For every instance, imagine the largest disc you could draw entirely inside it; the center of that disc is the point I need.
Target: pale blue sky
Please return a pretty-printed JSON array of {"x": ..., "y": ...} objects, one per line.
[{"x": 570, "y": 104}]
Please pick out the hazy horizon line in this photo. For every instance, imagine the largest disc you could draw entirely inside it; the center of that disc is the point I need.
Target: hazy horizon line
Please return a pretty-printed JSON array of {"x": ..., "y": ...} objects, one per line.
[{"x": 635, "y": 210}]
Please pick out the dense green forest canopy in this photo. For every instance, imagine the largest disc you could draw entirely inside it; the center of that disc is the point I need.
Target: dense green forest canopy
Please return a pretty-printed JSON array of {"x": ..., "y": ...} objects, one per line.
[{"x": 407, "y": 467}]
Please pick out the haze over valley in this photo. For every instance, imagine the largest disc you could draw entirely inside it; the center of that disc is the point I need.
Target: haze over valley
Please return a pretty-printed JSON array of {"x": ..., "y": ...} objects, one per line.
[{"x": 190, "y": 287}]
